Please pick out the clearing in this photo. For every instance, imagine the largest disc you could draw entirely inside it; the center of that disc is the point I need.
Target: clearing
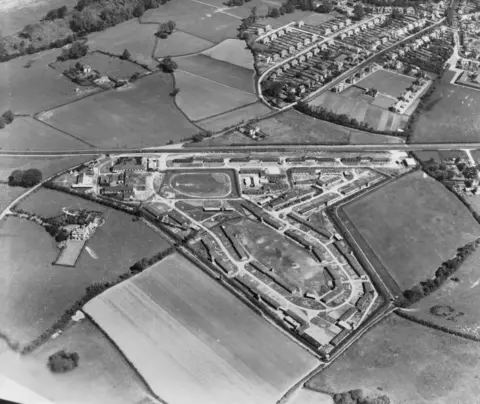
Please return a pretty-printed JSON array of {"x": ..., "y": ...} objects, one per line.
[
  {"x": 233, "y": 51},
  {"x": 200, "y": 98},
  {"x": 160, "y": 317},
  {"x": 218, "y": 71},
  {"x": 450, "y": 115},
  {"x": 35, "y": 292},
  {"x": 410, "y": 363},
  {"x": 411, "y": 225},
  {"x": 180, "y": 43},
  {"x": 146, "y": 109}
]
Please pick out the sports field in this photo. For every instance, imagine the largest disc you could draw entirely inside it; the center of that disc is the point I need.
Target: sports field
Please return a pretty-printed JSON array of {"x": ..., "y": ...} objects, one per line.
[
  {"x": 17, "y": 82},
  {"x": 387, "y": 82},
  {"x": 219, "y": 71},
  {"x": 412, "y": 225},
  {"x": 138, "y": 38},
  {"x": 180, "y": 328},
  {"x": 228, "y": 119},
  {"x": 104, "y": 64},
  {"x": 180, "y": 43},
  {"x": 275, "y": 250},
  {"x": 35, "y": 292},
  {"x": 201, "y": 98},
  {"x": 146, "y": 110},
  {"x": 410, "y": 363},
  {"x": 26, "y": 133},
  {"x": 232, "y": 51},
  {"x": 450, "y": 115}
]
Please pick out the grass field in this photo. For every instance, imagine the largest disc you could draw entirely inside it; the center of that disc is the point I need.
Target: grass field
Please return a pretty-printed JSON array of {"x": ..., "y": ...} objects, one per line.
[
  {"x": 200, "y": 98},
  {"x": 180, "y": 328},
  {"x": 102, "y": 377},
  {"x": 146, "y": 110},
  {"x": 138, "y": 38},
  {"x": 455, "y": 304},
  {"x": 410, "y": 363},
  {"x": 17, "y": 83},
  {"x": 387, "y": 82},
  {"x": 305, "y": 396},
  {"x": 36, "y": 293},
  {"x": 197, "y": 19},
  {"x": 219, "y": 71},
  {"x": 180, "y": 43},
  {"x": 232, "y": 51},
  {"x": 26, "y": 133},
  {"x": 451, "y": 115},
  {"x": 104, "y": 64},
  {"x": 273, "y": 249},
  {"x": 228, "y": 119},
  {"x": 412, "y": 225}
]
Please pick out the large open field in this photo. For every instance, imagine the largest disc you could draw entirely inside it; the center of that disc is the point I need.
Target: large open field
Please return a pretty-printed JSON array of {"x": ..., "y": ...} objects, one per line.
[
  {"x": 26, "y": 133},
  {"x": 200, "y": 98},
  {"x": 27, "y": 90},
  {"x": 412, "y": 225},
  {"x": 146, "y": 110},
  {"x": 451, "y": 115},
  {"x": 232, "y": 51},
  {"x": 180, "y": 43},
  {"x": 410, "y": 363},
  {"x": 102, "y": 377},
  {"x": 180, "y": 328},
  {"x": 273, "y": 249},
  {"x": 34, "y": 292},
  {"x": 387, "y": 82},
  {"x": 218, "y": 71}
]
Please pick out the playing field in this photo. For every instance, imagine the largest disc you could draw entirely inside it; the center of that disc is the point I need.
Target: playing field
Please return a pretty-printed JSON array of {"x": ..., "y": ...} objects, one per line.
[
  {"x": 228, "y": 119},
  {"x": 387, "y": 82},
  {"x": 50, "y": 87},
  {"x": 138, "y": 38},
  {"x": 200, "y": 184},
  {"x": 180, "y": 328},
  {"x": 409, "y": 363},
  {"x": 412, "y": 225},
  {"x": 232, "y": 51},
  {"x": 218, "y": 71},
  {"x": 201, "y": 98},
  {"x": 180, "y": 43},
  {"x": 273, "y": 249},
  {"x": 450, "y": 115},
  {"x": 35, "y": 292},
  {"x": 26, "y": 133},
  {"x": 104, "y": 64},
  {"x": 146, "y": 110}
]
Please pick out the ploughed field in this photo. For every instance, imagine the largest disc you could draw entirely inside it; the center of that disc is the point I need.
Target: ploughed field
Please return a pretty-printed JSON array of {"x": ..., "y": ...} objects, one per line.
[
  {"x": 411, "y": 226},
  {"x": 180, "y": 328}
]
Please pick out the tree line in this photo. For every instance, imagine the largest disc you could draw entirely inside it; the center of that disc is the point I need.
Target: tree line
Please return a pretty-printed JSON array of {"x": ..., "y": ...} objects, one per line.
[{"x": 357, "y": 397}]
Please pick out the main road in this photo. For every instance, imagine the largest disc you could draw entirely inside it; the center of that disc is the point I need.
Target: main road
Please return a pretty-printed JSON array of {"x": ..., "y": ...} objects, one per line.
[{"x": 248, "y": 149}]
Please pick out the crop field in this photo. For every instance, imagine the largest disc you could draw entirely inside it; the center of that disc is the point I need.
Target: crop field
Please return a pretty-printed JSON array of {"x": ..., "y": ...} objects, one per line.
[
  {"x": 412, "y": 225},
  {"x": 386, "y": 82},
  {"x": 219, "y": 71},
  {"x": 180, "y": 43},
  {"x": 455, "y": 304},
  {"x": 147, "y": 110},
  {"x": 200, "y": 98},
  {"x": 104, "y": 64},
  {"x": 228, "y": 119},
  {"x": 26, "y": 133},
  {"x": 172, "y": 309},
  {"x": 200, "y": 20},
  {"x": 276, "y": 251},
  {"x": 102, "y": 377},
  {"x": 35, "y": 292},
  {"x": 199, "y": 184},
  {"x": 450, "y": 115},
  {"x": 17, "y": 82},
  {"x": 409, "y": 363},
  {"x": 138, "y": 38},
  {"x": 232, "y": 51}
]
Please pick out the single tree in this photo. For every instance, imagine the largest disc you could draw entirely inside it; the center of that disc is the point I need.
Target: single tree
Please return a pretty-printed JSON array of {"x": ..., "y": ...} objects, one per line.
[
  {"x": 8, "y": 116},
  {"x": 274, "y": 12},
  {"x": 63, "y": 361},
  {"x": 358, "y": 12},
  {"x": 125, "y": 55},
  {"x": 171, "y": 26},
  {"x": 168, "y": 65},
  {"x": 139, "y": 10}
]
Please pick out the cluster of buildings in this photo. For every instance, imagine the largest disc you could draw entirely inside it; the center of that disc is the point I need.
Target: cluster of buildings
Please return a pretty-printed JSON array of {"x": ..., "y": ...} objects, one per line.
[
  {"x": 258, "y": 182},
  {"x": 83, "y": 73}
]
